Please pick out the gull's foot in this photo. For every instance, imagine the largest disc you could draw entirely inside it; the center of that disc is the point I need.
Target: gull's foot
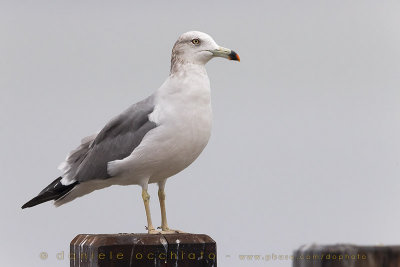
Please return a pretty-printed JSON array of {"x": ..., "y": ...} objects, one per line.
[
  {"x": 166, "y": 230},
  {"x": 152, "y": 231}
]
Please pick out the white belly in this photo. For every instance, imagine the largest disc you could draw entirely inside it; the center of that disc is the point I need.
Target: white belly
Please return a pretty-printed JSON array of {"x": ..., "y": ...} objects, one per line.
[{"x": 180, "y": 143}]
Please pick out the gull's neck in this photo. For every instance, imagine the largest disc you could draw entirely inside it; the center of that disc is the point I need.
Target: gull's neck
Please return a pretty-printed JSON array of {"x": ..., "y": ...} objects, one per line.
[
  {"x": 189, "y": 74},
  {"x": 186, "y": 92},
  {"x": 186, "y": 82},
  {"x": 181, "y": 67}
]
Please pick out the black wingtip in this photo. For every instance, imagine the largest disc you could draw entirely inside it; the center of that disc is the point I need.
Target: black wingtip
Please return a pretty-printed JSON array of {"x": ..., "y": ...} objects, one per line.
[
  {"x": 27, "y": 205},
  {"x": 53, "y": 191},
  {"x": 36, "y": 201},
  {"x": 41, "y": 198}
]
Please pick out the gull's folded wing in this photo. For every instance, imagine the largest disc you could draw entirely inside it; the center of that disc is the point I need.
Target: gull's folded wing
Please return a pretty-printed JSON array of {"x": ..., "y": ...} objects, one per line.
[{"x": 115, "y": 141}]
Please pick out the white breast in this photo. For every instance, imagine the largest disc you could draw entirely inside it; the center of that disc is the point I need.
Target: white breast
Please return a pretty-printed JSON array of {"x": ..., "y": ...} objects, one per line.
[
  {"x": 184, "y": 117},
  {"x": 183, "y": 113}
]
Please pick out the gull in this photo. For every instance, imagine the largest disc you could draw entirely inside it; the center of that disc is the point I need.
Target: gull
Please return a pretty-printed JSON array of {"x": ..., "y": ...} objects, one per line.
[{"x": 150, "y": 141}]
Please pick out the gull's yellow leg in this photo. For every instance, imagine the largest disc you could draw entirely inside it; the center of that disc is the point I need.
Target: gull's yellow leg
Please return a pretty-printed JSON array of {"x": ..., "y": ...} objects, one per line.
[
  {"x": 161, "y": 197},
  {"x": 164, "y": 225},
  {"x": 146, "y": 201}
]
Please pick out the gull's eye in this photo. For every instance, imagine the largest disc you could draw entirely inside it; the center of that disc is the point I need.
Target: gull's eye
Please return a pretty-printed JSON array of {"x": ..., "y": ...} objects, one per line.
[{"x": 196, "y": 41}]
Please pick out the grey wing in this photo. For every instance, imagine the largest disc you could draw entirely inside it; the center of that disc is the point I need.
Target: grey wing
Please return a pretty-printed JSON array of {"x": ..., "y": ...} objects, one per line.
[{"x": 115, "y": 141}]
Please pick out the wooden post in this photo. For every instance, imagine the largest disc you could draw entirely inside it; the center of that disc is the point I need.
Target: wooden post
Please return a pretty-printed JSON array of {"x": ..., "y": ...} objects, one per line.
[
  {"x": 105, "y": 250},
  {"x": 344, "y": 255}
]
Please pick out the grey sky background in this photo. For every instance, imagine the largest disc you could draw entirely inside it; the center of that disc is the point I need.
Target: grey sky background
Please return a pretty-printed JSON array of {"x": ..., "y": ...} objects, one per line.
[{"x": 305, "y": 143}]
